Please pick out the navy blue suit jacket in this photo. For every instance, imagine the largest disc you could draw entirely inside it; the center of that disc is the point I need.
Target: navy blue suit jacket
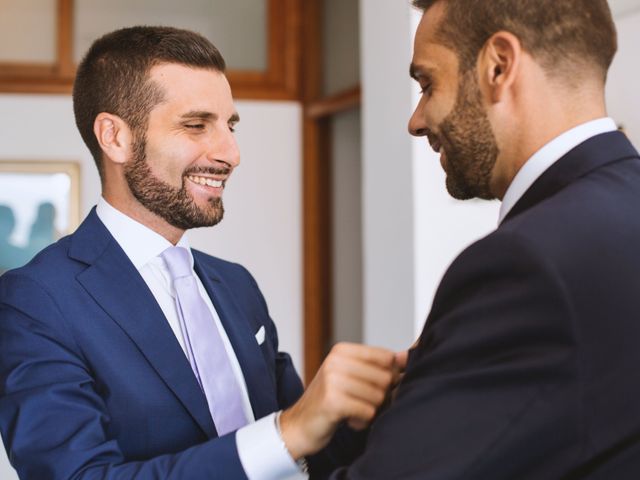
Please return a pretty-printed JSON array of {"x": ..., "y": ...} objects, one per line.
[
  {"x": 527, "y": 366},
  {"x": 93, "y": 382}
]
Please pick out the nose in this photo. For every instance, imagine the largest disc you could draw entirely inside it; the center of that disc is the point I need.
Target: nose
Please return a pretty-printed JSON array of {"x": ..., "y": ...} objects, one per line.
[
  {"x": 224, "y": 149},
  {"x": 417, "y": 125}
]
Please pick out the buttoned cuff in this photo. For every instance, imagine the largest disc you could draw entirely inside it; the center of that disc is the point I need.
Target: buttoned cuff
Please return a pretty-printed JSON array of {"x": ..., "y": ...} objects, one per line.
[{"x": 263, "y": 454}]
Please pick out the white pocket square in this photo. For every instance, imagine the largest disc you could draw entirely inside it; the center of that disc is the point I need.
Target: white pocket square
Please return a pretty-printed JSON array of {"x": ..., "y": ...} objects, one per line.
[{"x": 260, "y": 336}]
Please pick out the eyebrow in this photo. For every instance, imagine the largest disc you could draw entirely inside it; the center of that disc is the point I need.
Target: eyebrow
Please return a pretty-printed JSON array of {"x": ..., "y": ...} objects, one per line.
[
  {"x": 204, "y": 115},
  {"x": 417, "y": 72}
]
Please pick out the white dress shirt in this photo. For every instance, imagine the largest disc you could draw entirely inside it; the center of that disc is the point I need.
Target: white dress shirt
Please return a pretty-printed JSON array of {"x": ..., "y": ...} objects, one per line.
[
  {"x": 260, "y": 448},
  {"x": 547, "y": 156}
]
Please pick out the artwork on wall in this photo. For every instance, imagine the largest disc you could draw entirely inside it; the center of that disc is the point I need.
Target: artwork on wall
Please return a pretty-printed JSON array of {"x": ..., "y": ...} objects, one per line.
[{"x": 39, "y": 203}]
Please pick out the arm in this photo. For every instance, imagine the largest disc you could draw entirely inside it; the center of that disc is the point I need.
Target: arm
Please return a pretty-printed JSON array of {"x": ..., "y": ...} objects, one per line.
[
  {"x": 351, "y": 377},
  {"x": 491, "y": 391},
  {"x": 53, "y": 421}
]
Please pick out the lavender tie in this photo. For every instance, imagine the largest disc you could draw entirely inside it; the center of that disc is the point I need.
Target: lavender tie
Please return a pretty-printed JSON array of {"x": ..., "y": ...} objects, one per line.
[{"x": 205, "y": 350}]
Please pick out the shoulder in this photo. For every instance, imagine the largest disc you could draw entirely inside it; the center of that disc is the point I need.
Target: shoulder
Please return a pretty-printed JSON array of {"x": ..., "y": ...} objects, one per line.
[
  {"x": 220, "y": 266},
  {"x": 48, "y": 267},
  {"x": 501, "y": 257},
  {"x": 593, "y": 213},
  {"x": 234, "y": 275}
]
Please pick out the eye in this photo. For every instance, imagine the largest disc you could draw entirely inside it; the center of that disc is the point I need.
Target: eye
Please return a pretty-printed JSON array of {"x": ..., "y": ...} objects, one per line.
[
  {"x": 426, "y": 89},
  {"x": 195, "y": 126},
  {"x": 232, "y": 127}
]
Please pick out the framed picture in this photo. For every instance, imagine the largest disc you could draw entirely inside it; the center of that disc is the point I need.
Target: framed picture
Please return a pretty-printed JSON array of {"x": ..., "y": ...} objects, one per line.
[{"x": 39, "y": 203}]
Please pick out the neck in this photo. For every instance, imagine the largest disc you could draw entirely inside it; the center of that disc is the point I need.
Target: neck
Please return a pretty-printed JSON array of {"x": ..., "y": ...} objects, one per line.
[
  {"x": 539, "y": 122},
  {"x": 123, "y": 200}
]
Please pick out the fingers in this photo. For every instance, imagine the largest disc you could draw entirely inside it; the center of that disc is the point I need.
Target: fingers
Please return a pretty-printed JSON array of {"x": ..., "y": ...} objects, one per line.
[
  {"x": 400, "y": 364},
  {"x": 400, "y": 360},
  {"x": 340, "y": 371},
  {"x": 373, "y": 355},
  {"x": 357, "y": 400},
  {"x": 358, "y": 378},
  {"x": 351, "y": 384},
  {"x": 356, "y": 424},
  {"x": 354, "y": 396}
]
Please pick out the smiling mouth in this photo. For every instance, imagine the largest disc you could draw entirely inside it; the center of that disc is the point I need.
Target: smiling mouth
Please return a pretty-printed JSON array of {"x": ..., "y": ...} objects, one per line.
[{"x": 210, "y": 182}]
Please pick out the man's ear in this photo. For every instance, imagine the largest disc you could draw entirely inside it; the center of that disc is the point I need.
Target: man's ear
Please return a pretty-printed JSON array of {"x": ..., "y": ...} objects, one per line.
[
  {"x": 114, "y": 137},
  {"x": 499, "y": 63}
]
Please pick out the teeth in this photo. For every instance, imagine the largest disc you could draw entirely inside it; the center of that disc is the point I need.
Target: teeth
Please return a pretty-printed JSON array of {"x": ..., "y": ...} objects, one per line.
[{"x": 205, "y": 181}]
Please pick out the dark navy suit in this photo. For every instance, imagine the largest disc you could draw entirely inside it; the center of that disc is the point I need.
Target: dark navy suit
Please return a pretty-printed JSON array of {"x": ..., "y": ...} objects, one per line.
[
  {"x": 527, "y": 368},
  {"x": 93, "y": 382}
]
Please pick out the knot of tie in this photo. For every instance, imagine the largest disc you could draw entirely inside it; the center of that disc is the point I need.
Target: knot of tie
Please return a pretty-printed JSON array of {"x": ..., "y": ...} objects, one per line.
[{"x": 178, "y": 262}]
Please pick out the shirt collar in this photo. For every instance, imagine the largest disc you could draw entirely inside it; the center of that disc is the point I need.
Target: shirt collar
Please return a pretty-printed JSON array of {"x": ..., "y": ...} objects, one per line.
[
  {"x": 547, "y": 156},
  {"x": 139, "y": 242}
]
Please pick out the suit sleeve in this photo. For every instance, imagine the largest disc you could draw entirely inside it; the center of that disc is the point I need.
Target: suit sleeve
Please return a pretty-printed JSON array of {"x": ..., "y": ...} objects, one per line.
[
  {"x": 53, "y": 422},
  {"x": 346, "y": 444},
  {"x": 492, "y": 389}
]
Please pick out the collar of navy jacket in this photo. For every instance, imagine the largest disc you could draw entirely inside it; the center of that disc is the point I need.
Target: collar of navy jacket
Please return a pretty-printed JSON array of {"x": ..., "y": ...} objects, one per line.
[{"x": 591, "y": 154}]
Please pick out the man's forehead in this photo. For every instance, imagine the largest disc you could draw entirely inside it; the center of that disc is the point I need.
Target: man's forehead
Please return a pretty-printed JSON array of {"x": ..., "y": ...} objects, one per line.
[
  {"x": 191, "y": 89},
  {"x": 429, "y": 24},
  {"x": 429, "y": 52},
  {"x": 184, "y": 81},
  {"x": 429, "y": 58}
]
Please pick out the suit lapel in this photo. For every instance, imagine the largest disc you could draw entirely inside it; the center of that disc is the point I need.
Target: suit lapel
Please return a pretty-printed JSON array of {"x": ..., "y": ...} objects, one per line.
[
  {"x": 115, "y": 284},
  {"x": 586, "y": 157},
  {"x": 261, "y": 391}
]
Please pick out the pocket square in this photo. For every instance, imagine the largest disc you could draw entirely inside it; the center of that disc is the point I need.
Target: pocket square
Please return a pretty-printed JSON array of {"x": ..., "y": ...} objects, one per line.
[{"x": 260, "y": 336}]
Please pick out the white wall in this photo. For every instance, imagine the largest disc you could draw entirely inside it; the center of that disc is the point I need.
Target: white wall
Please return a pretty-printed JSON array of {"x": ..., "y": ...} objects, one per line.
[
  {"x": 387, "y": 174},
  {"x": 262, "y": 225},
  {"x": 622, "y": 8}
]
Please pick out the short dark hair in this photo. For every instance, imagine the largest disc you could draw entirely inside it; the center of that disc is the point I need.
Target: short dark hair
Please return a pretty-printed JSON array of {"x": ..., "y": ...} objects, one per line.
[
  {"x": 113, "y": 76},
  {"x": 558, "y": 33}
]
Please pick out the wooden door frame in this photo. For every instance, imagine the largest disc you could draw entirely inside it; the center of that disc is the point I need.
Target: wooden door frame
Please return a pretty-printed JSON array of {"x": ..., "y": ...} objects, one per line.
[
  {"x": 317, "y": 179},
  {"x": 280, "y": 80}
]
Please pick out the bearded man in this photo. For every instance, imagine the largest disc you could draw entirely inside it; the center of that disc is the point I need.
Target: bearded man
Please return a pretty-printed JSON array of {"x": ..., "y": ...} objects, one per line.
[
  {"x": 125, "y": 354},
  {"x": 525, "y": 369}
]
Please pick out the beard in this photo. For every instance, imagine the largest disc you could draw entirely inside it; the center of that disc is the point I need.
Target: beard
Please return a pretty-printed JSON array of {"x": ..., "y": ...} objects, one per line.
[
  {"x": 469, "y": 144},
  {"x": 172, "y": 204}
]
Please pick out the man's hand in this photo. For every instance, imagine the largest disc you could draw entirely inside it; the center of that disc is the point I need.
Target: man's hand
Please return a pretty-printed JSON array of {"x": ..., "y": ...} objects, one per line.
[{"x": 352, "y": 383}]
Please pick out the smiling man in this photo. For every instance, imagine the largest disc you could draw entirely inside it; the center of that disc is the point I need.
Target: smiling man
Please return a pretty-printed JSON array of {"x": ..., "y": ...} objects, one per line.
[
  {"x": 125, "y": 354},
  {"x": 526, "y": 365}
]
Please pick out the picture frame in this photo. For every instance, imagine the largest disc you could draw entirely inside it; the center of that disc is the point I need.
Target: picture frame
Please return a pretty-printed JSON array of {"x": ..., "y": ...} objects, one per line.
[{"x": 39, "y": 203}]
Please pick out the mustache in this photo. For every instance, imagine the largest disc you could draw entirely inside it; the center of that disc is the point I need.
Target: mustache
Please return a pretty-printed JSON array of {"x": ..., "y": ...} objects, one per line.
[
  {"x": 434, "y": 139},
  {"x": 431, "y": 135},
  {"x": 208, "y": 170}
]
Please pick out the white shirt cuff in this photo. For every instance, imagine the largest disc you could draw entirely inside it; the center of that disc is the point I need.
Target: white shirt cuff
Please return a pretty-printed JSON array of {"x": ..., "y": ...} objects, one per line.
[{"x": 263, "y": 454}]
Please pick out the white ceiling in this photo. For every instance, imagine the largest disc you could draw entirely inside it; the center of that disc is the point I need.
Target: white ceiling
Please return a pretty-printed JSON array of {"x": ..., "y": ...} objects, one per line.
[{"x": 623, "y": 7}]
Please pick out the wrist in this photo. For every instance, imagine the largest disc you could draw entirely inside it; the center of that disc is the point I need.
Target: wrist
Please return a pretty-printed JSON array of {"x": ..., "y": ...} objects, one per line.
[
  {"x": 288, "y": 431},
  {"x": 300, "y": 460}
]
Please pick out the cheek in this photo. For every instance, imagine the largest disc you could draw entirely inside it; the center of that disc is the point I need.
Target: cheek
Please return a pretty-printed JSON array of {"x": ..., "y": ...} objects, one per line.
[
  {"x": 169, "y": 160},
  {"x": 165, "y": 169},
  {"x": 433, "y": 111},
  {"x": 433, "y": 116}
]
